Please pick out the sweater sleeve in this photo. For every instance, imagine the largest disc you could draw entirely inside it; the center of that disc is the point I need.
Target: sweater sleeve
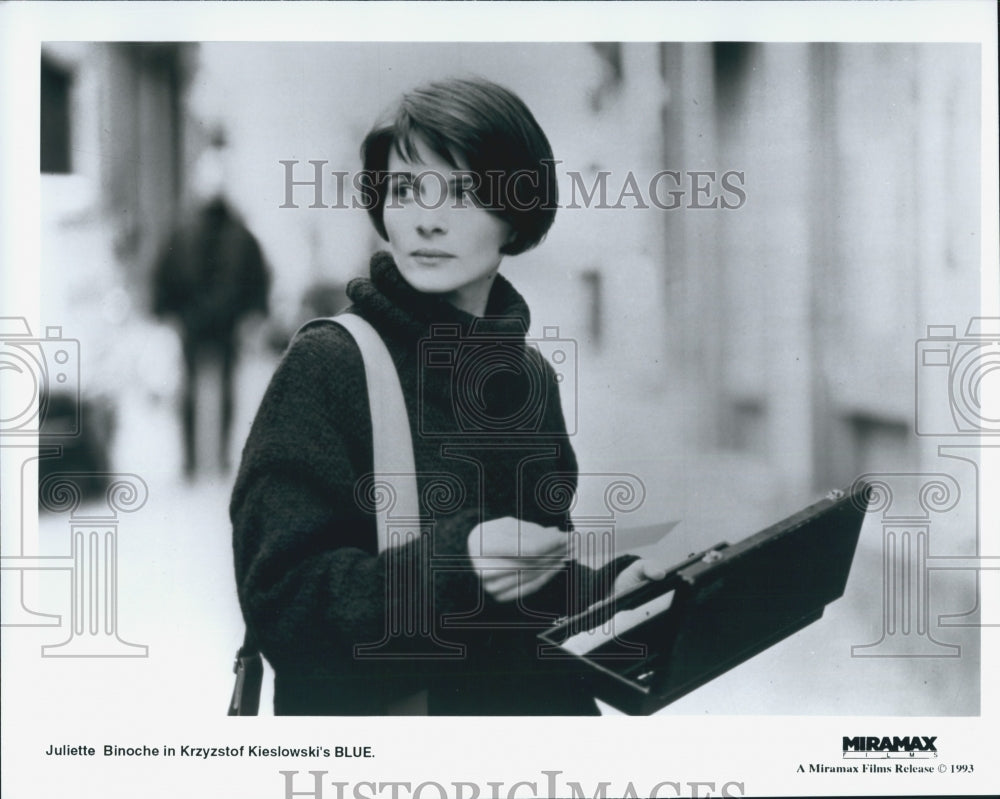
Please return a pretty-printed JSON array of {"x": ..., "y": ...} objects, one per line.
[
  {"x": 311, "y": 582},
  {"x": 579, "y": 585}
]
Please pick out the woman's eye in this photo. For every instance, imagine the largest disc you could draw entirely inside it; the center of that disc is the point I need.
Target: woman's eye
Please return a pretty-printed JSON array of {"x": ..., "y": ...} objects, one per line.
[{"x": 402, "y": 191}]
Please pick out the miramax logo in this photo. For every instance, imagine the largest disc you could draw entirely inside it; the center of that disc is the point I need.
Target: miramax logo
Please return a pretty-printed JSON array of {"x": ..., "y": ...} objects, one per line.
[{"x": 885, "y": 747}]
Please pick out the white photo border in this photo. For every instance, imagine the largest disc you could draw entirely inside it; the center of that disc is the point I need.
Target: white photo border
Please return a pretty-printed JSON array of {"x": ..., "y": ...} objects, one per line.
[{"x": 758, "y": 753}]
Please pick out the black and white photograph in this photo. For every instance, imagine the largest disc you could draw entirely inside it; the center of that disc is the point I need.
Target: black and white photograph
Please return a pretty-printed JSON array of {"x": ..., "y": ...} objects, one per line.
[{"x": 499, "y": 365}]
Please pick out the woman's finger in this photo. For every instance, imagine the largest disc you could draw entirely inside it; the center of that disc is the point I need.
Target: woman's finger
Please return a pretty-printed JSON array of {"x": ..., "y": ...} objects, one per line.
[
  {"x": 501, "y": 585},
  {"x": 531, "y": 581},
  {"x": 506, "y": 585},
  {"x": 520, "y": 587},
  {"x": 483, "y": 565}
]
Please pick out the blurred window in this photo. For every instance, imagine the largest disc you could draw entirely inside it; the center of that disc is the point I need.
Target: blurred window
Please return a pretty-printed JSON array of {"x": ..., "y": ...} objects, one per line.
[
  {"x": 732, "y": 64},
  {"x": 55, "y": 118},
  {"x": 592, "y": 279},
  {"x": 610, "y": 54}
]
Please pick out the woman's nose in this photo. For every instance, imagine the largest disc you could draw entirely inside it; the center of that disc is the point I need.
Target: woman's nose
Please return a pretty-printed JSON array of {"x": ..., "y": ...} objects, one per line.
[{"x": 430, "y": 223}]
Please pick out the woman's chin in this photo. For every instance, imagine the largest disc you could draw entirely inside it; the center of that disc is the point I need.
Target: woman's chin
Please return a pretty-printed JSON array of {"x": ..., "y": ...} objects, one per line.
[{"x": 427, "y": 282}]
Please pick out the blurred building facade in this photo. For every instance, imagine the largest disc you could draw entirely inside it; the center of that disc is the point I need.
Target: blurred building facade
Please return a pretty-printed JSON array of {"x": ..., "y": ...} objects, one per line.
[
  {"x": 798, "y": 313},
  {"x": 112, "y": 167}
]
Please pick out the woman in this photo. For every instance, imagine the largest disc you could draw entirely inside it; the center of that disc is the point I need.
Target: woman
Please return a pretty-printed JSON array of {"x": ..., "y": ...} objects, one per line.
[{"x": 458, "y": 178}]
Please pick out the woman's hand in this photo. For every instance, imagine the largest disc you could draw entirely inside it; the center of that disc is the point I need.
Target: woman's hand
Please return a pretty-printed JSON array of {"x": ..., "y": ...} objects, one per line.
[
  {"x": 638, "y": 573},
  {"x": 515, "y": 558}
]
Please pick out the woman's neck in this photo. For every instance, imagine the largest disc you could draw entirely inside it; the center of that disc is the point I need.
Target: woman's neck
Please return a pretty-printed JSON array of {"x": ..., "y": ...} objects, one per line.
[{"x": 472, "y": 298}]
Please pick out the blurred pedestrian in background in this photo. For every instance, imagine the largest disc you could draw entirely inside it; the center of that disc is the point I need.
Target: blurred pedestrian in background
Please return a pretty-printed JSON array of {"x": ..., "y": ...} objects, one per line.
[{"x": 210, "y": 276}]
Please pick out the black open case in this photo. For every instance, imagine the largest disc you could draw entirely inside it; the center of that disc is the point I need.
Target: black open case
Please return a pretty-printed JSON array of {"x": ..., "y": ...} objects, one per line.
[{"x": 641, "y": 651}]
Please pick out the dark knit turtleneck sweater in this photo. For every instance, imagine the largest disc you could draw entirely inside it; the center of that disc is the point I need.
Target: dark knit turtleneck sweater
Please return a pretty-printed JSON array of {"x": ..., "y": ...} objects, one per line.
[{"x": 488, "y": 437}]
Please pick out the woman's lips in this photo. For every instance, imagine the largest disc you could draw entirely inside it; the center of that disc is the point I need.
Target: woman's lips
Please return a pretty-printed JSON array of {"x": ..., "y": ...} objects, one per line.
[{"x": 430, "y": 257}]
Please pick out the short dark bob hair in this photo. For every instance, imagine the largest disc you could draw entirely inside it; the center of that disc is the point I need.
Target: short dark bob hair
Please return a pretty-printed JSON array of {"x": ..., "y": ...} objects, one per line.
[{"x": 493, "y": 132}]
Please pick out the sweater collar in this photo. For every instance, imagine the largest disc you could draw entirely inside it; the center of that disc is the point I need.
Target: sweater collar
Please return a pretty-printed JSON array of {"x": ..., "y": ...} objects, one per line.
[{"x": 398, "y": 309}]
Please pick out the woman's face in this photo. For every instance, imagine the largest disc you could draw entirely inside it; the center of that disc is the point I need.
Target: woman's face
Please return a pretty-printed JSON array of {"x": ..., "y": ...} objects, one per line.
[{"x": 443, "y": 243}]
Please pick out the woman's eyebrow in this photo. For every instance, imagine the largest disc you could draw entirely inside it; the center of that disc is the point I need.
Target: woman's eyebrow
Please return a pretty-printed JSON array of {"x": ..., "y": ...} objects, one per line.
[{"x": 455, "y": 177}]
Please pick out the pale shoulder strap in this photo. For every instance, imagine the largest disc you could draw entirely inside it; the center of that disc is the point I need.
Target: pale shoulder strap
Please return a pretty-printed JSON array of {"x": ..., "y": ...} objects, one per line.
[{"x": 392, "y": 442}]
